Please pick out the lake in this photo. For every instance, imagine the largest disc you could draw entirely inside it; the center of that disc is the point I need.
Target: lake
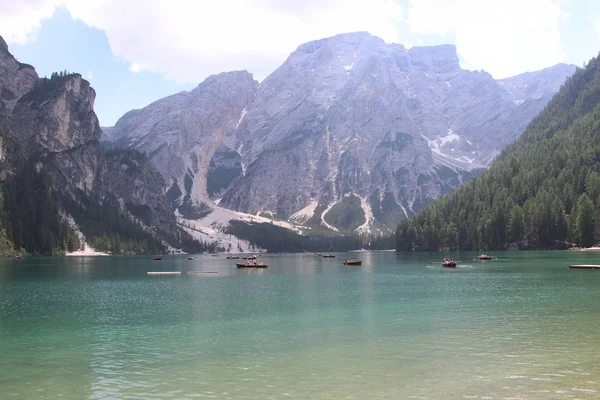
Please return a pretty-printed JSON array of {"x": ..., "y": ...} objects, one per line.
[{"x": 400, "y": 326}]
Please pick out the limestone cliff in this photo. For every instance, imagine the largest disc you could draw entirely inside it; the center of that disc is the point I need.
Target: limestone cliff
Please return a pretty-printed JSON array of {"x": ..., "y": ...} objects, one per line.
[
  {"x": 351, "y": 133},
  {"x": 50, "y": 126}
]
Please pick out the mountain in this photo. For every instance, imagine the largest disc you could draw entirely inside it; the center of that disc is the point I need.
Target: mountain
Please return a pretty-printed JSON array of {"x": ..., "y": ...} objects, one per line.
[
  {"x": 16, "y": 79},
  {"x": 350, "y": 134},
  {"x": 542, "y": 192},
  {"x": 59, "y": 183}
]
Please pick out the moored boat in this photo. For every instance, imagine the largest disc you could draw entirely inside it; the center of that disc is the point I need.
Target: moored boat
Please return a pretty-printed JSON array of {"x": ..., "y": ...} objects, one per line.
[
  {"x": 233, "y": 258},
  {"x": 353, "y": 262},
  {"x": 190, "y": 258},
  {"x": 157, "y": 258},
  {"x": 250, "y": 265},
  {"x": 328, "y": 256},
  {"x": 449, "y": 264}
]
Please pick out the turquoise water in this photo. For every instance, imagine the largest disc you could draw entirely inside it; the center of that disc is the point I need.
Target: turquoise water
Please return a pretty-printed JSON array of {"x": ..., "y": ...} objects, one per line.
[{"x": 400, "y": 326}]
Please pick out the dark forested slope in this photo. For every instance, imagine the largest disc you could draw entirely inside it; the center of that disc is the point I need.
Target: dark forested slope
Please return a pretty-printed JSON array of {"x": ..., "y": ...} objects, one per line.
[{"x": 542, "y": 192}]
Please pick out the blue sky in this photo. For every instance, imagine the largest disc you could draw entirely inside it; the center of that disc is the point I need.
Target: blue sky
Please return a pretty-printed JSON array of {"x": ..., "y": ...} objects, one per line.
[{"x": 137, "y": 51}]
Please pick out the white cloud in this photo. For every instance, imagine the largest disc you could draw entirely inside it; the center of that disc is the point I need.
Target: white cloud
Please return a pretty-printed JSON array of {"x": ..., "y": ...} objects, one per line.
[
  {"x": 89, "y": 75},
  {"x": 598, "y": 28},
  {"x": 19, "y": 19},
  {"x": 503, "y": 37},
  {"x": 190, "y": 39},
  {"x": 135, "y": 67}
]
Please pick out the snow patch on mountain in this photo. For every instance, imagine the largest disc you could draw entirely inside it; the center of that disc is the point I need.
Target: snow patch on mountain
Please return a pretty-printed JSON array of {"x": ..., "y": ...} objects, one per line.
[{"x": 244, "y": 112}]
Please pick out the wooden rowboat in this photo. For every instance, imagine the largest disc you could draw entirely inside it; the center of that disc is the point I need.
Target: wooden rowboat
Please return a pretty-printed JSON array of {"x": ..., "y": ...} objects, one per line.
[
  {"x": 244, "y": 265},
  {"x": 449, "y": 264},
  {"x": 350, "y": 262}
]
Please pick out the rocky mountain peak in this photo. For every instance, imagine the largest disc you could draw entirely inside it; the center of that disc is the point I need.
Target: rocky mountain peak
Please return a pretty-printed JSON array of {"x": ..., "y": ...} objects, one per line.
[
  {"x": 538, "y": 84},
  {"x": 436, "y": 59},
  {"x": 57, "y": 115},
  {"x": 227, "y": 78},
  {"x": 350, "y": 133},
  {"x": 16, "y": 79}
]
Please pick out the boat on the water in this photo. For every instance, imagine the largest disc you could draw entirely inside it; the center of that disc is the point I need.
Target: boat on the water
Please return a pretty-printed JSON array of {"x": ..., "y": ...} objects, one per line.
[
  {"x": 484, "y": 257},
  {"x": 157, "y": 258},
  {"x": 252, "y": 257},
  {"x": 233, "y": 257},
  {"x": 353, "y": 262},
  {"x": 214, "y": 255},
  {"x": 328, "y": 256},
  {"x": 250, "y": 265},
  {"x": 449, "y": 264},
  {"x": 190, "y": 258}
]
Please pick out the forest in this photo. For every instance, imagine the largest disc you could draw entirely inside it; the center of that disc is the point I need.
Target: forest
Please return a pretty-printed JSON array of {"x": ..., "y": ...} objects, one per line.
[
  {"x": 543, "y": 192},
  {"x": 276, "y": 239}
]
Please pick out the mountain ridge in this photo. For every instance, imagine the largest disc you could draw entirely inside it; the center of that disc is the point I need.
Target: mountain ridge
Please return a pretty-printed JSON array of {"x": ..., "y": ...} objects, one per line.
[{"x": 343, "y": 118}]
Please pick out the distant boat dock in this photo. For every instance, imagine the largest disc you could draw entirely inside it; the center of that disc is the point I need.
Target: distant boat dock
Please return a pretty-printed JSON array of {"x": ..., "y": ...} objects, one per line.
[
  {"x": 164, "y": 273},
  {"x": 584, "y": 266}
]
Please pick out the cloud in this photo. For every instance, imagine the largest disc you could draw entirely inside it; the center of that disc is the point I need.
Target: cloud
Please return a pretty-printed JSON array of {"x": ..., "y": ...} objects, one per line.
[
  {"x": 503, "y": 37},
  {"x": 89, "y": 75},
  {"x": 189, "y": 39},
  {"x": 19, "y": 19}
]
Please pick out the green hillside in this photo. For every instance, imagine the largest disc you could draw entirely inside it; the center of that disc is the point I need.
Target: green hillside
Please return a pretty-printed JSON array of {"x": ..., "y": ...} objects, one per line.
[{"x": 543, "y": 191}]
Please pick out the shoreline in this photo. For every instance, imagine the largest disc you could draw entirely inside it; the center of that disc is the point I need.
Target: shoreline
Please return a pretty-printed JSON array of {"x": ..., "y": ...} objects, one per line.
[{"x": 87, "y": 251}]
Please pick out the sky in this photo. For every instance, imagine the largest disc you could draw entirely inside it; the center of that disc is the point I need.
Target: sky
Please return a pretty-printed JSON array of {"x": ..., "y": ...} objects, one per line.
[{"x": 137, "y": 51}]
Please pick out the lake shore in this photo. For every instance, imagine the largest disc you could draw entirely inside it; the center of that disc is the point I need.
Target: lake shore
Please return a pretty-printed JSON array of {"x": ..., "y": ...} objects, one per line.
[
  {"x": 593, "y": 248},
  {"x": 86, "y": 251}
]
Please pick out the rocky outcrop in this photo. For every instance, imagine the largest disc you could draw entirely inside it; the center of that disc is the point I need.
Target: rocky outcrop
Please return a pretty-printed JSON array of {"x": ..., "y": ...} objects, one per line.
[
  {"x": 16, "y": 79},
  {"x": 50, "y": 124},
  {"x": 56, "y": 124},
  {"x": 350, "y": 133},
  {"x": 133, "y": 179},
  {"x": 190, "y": 137}
]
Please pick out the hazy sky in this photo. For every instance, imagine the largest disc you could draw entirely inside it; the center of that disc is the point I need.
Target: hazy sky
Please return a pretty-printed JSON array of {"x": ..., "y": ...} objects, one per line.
[{"x": 136, "y": 51}]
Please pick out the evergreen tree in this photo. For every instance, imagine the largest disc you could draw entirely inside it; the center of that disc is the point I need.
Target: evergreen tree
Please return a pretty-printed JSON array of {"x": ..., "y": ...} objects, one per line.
[
  {"x": 586, "y": 216},
  {"x": 516, "y": 225}
]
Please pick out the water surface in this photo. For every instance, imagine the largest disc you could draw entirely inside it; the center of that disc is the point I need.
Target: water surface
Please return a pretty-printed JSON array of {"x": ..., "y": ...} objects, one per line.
[{"x": 523, "y": 326}]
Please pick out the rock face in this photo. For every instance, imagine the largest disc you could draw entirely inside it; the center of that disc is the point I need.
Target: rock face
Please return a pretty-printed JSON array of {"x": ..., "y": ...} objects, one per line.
[
  {"x": 55, "y": 123},
  {"x": 350, "y": 133},
  {"x": 16, "y": 79},
  {"x": 190, "y": 137},
  {"x": 134, "y": 180},
  {"x": 51, "y": 123}
]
